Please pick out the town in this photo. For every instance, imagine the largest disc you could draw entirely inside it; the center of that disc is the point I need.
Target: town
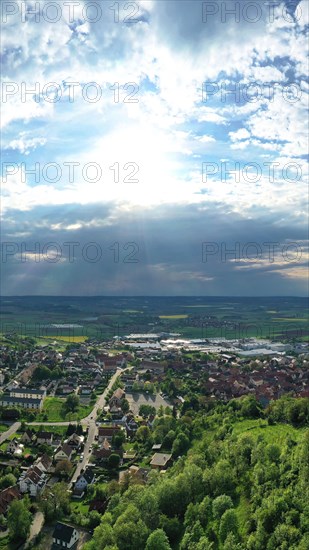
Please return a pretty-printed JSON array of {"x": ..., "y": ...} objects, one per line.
[{"x": 79, "y": 418}]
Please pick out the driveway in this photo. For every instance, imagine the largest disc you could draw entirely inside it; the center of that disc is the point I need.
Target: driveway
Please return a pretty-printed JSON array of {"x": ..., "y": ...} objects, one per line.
[{"x": 36, "y": 526}]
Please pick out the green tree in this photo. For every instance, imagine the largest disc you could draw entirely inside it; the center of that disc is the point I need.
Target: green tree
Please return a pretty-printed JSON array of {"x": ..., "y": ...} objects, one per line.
[
  {"x": 125, "y": 406},
  {"x": 158, "y": 541},
  {"x": 220, "y": 505},
  {"x": 7, "y": 481},
  {"x": 71, "y": 403},
  {"x": 114, "y": 461},
  {"x": 103, "y": 537},
  {"x": 143, "y": 433},
  {"x": 63, "y": 467},
  {"x": 130, "y": 531},
  {"x": 180, "y": 445},
  {"x": 146, "y": 410},
  {"x": 19, "y": 520},
  {"x": 41, "y": 373},
  {"x": 228, "y": 524},
  {"x": 55, "y": 501}
]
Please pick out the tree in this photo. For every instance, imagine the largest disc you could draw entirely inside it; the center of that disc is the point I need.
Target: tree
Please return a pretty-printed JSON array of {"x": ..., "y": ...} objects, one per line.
[
  {"x": 220, "y": 505},
  {"x": 7, "y": 481},
  {"x": 71, "y": 403},
  {"x": 143, "y": 433},
  {"x": 158, "y": 541},
  {"x": 19, "y": 520},
  {"x": 103, "y": 537},
  {"x": 55, "y": 501},
  {"x": 228, "y": 524},
  {"x": 180, "y": 445},
  {"x": 63, "y": 467},
  {"x": 172, "y": 527},
  {"x": 119, "y": 439},
  {"x": 94, "y": 519},
  {"x": 130, "y": 534},
  {"x": 41, "y": 373},
  {"x": 114, "y": 461},
  {"x": 125, "y": 406},
  {"x": 146, "y": 410}
]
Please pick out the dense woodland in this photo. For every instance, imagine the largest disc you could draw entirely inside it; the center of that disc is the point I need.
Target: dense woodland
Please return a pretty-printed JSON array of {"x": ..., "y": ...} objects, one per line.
[{"x": 239, "y": 483}]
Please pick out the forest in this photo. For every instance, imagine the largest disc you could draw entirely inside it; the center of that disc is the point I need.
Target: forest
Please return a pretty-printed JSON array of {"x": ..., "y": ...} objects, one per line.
[{"x": 240, "y": 482}]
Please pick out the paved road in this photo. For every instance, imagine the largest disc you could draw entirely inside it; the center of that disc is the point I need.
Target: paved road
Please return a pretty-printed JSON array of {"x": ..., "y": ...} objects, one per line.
[
  {"x": 92, "y": 428},
  {"x": 89, "y": 420},
  {"x": 10, "y": 431}
]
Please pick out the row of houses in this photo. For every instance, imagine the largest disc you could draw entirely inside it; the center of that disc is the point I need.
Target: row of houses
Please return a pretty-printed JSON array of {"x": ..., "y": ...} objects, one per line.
[{"x": 26, "y": 398}]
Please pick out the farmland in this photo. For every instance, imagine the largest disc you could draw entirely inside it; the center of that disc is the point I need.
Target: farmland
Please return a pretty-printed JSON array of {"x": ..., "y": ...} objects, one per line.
[{"x": 72, "y": 319}]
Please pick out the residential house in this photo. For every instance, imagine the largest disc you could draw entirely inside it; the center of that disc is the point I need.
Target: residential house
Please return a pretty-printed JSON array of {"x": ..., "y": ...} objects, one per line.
[
  {"x": 7, "y": 496},
  {"x": 57, "y": 440},
  {"x": 23, "y": 402},
  {"x": 75, "y": 441},
  {"x": 27, "y": 436},
  {"x": 14, "y": 447},
  {"x": 86, "y": 389},
  {"x": 103, "y": 453},
  {"x": 43, "y": 462},
  {"x": 117, "y": 398},
  {"x": 139, "y": 475},
  {"x": 44, "y": 438},
  {"x": 82, "y": 482},
  {"x": 65, "y": 536},
  {"x": 107, "y": 432},
  {"x": 160, "y": 461},
  {"x": 32, "y": 481},
  {"x": 28, "y": 393},
  {"x": 130, "y": 425},
  {"x": 153, "y": 366},
  {"x": 63, "y": 452}
]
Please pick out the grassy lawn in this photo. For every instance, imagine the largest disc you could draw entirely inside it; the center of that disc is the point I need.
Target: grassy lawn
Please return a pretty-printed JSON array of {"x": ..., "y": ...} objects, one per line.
[
  {"x": 80, "y": 507},
  {"x": 55, "y": 411},
  {"x": 277, "y": 433},
  {"x": 4, "y": 428},
  {"x": 61, "y": 430}
]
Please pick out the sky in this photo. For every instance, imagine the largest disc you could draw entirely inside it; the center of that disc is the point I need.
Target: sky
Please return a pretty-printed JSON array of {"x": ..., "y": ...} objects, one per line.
[{"x": 156, "y": 147}]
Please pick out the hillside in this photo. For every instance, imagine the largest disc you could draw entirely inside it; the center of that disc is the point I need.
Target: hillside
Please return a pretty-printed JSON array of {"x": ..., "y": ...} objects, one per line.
[{"x": 243, "y": 484}]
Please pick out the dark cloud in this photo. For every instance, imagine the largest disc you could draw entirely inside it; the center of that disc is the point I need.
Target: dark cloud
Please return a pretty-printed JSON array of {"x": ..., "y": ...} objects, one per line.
[{"x": 150, "y": 252}]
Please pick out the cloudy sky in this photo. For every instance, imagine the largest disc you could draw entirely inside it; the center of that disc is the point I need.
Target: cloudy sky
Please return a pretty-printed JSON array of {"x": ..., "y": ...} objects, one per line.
[{"x": 156, "y": 147}]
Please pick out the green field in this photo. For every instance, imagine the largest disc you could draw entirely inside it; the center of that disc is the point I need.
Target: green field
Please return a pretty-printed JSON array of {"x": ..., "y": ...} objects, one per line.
[
  {"x": 56, "y": 429},
  {"x": 271, "y": 434},
  {"x": 73, "y": 319},
  {"x": 54, "y": 409}
]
